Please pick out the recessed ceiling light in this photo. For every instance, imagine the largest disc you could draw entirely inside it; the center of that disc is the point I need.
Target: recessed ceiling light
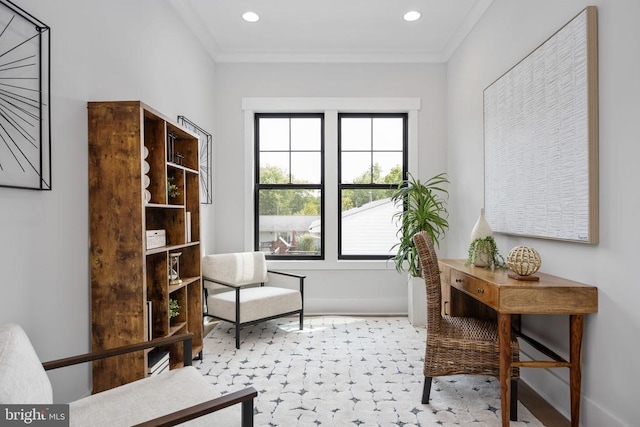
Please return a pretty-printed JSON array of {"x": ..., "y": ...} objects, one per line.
[
  {"x": 250, "y": 17},
  {"x": 411, "y": 16}
]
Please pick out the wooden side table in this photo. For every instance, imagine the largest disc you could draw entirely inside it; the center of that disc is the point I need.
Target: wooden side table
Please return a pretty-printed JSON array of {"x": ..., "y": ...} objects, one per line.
[{"x": 509, "y": 297}]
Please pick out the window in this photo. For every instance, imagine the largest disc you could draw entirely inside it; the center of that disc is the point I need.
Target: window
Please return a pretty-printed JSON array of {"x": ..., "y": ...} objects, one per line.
[
  {"x": 289, "y": 185},
  {"x": 330, "y": 240},
  {"x": 372, "y": 161}
]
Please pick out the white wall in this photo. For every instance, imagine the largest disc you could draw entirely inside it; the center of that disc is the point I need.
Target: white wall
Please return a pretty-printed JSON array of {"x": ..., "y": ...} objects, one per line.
[
  {"x": 508, "y": 31},
  {"x": 100, "y": 50},
  {"x": 124, "y": 49},
  {"x": 331, "y": 287}
]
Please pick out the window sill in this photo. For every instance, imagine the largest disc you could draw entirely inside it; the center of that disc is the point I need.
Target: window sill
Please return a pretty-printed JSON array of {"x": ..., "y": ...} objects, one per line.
[{"x": 331, "y": 265}]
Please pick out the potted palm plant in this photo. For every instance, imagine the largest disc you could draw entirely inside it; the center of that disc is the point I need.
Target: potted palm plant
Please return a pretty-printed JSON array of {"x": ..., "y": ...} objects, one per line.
[{"x": 424, "y": 210}]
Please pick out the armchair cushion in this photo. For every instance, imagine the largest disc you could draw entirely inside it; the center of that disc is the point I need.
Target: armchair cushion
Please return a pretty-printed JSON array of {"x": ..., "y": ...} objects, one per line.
[
  {"x": 23, "y": 380},
  {"x": 149, "y": 398},
  {"x": 236, "y": 269},
  {"x": 257, "y": 303}
]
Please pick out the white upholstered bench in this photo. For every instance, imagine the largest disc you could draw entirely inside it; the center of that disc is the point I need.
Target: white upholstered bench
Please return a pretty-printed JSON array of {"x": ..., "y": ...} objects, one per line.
[
  {"x": 180, "y": 395},
  {"x": 248, "y": 301}
]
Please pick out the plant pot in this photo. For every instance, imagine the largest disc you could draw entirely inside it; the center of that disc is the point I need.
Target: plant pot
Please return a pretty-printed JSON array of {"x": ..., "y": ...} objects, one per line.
[
  {"x": 417, "y": 301},
  {"x": 480, "y": 258}
]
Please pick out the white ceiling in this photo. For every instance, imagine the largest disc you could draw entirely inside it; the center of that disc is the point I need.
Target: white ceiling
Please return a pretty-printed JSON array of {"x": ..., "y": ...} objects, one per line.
[{"x": 331, "y": 30}]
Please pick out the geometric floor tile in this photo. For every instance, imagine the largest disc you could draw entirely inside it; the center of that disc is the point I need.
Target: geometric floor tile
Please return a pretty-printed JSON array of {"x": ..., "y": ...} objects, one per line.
[{"x": 346, "y": 371}]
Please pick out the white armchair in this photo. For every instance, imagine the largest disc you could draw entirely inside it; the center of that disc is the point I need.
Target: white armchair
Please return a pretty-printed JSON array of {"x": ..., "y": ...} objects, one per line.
[
  {"x": 235, "y": 290},
  {"x": 178, "y": 396}
]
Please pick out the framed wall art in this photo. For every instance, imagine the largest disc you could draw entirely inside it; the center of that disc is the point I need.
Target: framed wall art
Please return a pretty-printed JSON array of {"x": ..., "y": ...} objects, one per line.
[
  {"x": 541, "y": 139},
  {"x": 25, "y": 100},
  {"x": 206, "y": 142}
]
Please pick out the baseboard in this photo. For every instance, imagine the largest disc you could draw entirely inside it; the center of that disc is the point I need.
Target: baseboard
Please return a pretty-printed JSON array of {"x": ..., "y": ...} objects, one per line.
[
  {"x": 539, "y": 407},
  {"x": 352, "y": 314},
  {"x": 551, "y": 386},
  {"x": 356, "y": 306}
]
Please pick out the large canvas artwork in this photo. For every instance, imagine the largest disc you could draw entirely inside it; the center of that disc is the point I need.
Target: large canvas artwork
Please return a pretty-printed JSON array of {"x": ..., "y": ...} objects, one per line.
[{"x": 541, "y": 139}]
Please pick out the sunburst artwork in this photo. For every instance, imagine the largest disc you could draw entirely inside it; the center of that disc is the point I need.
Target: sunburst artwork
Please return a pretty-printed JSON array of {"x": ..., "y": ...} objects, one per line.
[{"x": 25, "y": 125}]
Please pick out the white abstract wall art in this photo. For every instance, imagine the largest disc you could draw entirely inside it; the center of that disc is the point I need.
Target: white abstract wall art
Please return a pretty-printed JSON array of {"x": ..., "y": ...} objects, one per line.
[{"x": 541, "y": 139}]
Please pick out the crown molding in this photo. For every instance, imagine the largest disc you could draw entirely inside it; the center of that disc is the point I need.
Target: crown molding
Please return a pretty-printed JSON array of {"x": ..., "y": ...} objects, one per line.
[
  {"x": 468, "y": 23},
  {"x": 330, "y": 57},
  {"x": 196, "y": 26}
]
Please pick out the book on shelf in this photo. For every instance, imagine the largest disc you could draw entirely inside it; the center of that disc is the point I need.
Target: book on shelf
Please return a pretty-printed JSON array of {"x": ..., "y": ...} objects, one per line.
[
  {"x": 162, "y": 368},
  {"x": 187, "y": 224},
  {"x": 158, "y": 362},
  {"x": 149, "y": 321}
]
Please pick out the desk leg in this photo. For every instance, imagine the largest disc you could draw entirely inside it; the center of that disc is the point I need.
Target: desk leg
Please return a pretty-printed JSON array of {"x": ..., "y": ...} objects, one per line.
[
  {"x": 504, "y": 338},
  {"x": 575, "y": 371}
]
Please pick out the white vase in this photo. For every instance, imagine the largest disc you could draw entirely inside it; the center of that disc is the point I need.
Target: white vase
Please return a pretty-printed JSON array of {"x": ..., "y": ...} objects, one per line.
[{"x": 480, "y": 230}]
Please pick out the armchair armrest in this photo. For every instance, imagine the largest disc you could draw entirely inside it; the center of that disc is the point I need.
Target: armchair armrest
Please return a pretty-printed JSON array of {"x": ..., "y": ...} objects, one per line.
[
  {"x": 235, "y": 285},
  {"x": 284, "y": 273},
  {"x": 301, "y": 277},
  {"x": 187, "y": 339},
  {"x": 220, "y": 282},
  {"x": 244, "y": 397}
]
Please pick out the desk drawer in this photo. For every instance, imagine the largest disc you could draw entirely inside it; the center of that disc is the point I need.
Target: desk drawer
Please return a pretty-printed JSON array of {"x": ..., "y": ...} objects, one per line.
[{"x": 478, "y": 289}]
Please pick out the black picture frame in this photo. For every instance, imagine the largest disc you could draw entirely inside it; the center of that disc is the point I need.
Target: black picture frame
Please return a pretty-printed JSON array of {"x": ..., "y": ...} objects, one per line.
[
  {"x": 206, "y": 146},
  {"x": 25, "y": 100}
]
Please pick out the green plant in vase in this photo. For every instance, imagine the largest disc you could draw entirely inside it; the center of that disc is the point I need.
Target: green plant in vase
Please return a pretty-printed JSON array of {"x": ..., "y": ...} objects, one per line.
[
  {"x": 483, "y": 252},
  {"x": 172, "y": 188},
  {"x": 174, "y": 308}
]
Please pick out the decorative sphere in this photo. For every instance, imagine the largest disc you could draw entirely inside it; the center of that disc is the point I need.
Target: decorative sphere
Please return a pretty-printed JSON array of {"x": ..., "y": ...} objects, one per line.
[{"x": 523, "y": 260}]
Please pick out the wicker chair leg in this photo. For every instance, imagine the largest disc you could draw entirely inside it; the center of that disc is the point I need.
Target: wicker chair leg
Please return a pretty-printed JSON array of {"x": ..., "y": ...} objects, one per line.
[
  {"x": 514, "y": 400},
  {"x": 426, "y": 390}
]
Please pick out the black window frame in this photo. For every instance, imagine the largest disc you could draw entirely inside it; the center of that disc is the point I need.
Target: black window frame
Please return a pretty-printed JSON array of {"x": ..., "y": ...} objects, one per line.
[
  {"x": 289, "y": 186},
  {"x": 341, "y": 186}
]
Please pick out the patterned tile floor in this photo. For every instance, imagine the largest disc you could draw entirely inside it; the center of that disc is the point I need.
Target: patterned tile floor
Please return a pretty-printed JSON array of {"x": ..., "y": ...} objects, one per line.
[{"x": 346, "y": 371}]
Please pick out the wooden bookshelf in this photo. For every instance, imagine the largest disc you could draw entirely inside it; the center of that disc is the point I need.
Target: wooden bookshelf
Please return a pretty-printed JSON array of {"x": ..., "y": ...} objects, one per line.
[{"x": 130, "y": 168}]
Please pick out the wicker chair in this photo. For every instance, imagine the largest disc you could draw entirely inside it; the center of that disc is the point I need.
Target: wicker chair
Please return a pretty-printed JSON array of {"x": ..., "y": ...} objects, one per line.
[{"x": 457, "y": 345}]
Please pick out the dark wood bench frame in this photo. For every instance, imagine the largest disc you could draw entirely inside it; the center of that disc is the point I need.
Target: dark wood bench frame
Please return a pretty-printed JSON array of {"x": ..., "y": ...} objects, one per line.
[{"x": 244, "y": 397}]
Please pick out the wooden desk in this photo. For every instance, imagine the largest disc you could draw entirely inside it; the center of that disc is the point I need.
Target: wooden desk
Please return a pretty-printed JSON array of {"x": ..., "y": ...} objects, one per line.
[{"x": 550, "y": 295}]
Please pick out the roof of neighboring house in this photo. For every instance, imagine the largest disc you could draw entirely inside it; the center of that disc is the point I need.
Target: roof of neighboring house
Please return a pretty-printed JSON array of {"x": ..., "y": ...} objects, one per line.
[
  {"x": 359, "y": 211},
  {"x": 366, "y": 206},
  {"x": 274, "y": 223}
]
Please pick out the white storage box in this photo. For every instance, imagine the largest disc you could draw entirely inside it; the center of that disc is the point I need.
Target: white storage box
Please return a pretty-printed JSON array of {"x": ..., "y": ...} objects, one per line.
[{"x": 156, "y": 239}]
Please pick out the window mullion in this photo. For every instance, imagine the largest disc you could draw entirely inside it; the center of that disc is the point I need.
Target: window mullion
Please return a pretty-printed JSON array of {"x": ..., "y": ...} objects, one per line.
[
  {"x": 371, "y": 150},
  {"x": 332, "y": 206},
  {"x": 290, "y": 154}
]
